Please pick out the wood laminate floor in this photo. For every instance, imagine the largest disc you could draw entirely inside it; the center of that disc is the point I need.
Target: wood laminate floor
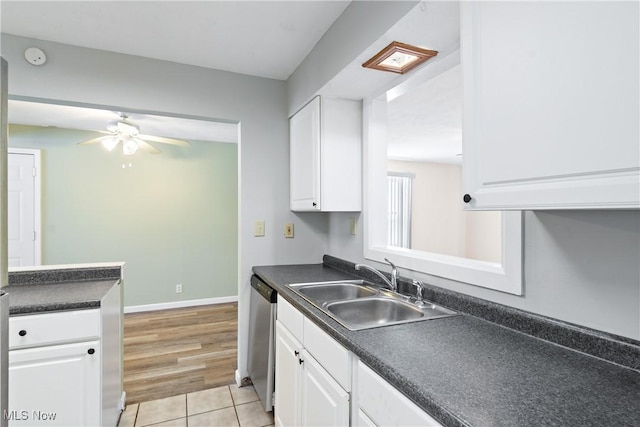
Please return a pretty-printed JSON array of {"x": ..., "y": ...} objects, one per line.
[{"x": 178, "y": 351}]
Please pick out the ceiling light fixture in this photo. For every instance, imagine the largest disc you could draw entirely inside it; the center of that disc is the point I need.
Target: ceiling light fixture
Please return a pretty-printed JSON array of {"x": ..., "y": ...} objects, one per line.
[
  {"x": 125, "y": 132},
  {"x": 399, "y": 58}
]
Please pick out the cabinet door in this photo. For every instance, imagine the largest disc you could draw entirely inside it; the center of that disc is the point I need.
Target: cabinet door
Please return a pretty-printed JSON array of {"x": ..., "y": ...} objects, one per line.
[
  {"x": 304, "y": 137},
  {"x": 382, "y": 404},
  {"x": 288, "y": 375},
  {"x": 363, "y": 421},
  {"x": 551, "y": 104},
  {"x": 324, "y": 402},
  {"x": 55, "y": 385}
]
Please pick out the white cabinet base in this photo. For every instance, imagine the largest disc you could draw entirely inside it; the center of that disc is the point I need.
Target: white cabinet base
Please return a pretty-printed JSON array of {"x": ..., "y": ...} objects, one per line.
[
  {"x": 55, "y": 385},
  {"x": 324, "y": 402}
]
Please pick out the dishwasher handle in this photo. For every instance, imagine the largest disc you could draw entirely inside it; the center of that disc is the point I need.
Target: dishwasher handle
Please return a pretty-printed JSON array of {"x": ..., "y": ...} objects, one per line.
[{"x": 265, "y": 291}]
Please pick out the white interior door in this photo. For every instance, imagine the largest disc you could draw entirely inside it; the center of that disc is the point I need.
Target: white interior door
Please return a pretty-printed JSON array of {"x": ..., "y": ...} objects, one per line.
[{"x": 23, "y": 213}]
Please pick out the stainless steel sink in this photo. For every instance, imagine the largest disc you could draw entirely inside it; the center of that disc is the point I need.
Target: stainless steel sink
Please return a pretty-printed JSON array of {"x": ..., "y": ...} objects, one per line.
[
  {"x": 371, "y": 312},
  {"x": 325, "y": 292},
  {"x": 357, "y": 305}
]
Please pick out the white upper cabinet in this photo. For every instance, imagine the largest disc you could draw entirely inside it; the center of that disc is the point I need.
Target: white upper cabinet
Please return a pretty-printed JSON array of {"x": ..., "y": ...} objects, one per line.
[
  {"x": 325, "y": 156},
  {"x": 551, "y": 106}
]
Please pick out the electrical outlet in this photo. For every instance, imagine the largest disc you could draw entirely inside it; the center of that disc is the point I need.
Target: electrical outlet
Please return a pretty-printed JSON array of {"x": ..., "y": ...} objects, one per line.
[
  {"x": 288, "y": 231},
  {"x": 258, "y": 229},
  {"x": 178, "y": 289}
]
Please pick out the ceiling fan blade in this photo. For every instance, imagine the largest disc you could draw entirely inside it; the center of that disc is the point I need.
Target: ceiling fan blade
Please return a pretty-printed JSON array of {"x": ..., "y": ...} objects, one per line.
[
  {"x": 93, "y": 141},
  {"x": 164, "y": 140},
  {"x": 146, "y": 146}
]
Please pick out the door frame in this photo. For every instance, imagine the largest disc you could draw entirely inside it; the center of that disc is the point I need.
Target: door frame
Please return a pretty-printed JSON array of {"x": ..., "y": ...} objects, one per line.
[{"x": 37, "y": 195}]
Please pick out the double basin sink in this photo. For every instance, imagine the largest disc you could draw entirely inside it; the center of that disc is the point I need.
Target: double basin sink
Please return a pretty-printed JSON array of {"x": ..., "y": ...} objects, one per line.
[{"x": 357, "y": 305}]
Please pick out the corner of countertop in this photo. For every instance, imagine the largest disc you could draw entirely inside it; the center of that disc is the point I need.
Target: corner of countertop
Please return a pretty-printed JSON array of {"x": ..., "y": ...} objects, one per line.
[{"x": 65, "y": 273}]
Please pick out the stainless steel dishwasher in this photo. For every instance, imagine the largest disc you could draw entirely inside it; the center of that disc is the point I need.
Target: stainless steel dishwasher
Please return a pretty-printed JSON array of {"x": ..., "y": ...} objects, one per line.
[{"x": 262, "y": 350}]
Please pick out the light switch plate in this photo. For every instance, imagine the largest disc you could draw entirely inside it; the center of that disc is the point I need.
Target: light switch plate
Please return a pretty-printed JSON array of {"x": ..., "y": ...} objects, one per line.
[
  {"x": 258, "y": 229},
  {"x": 288, "y": 231}
]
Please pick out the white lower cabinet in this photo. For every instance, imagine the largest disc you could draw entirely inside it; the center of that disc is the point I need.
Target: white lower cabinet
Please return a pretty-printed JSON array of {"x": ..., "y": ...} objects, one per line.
[
  {"x": 305, "y": 393},
  {"x": 288, "y": 378},
  {"x": 363, "y": 420},
  {"x": 320, "y": 383},
  {"x": 308, "y": 391},
  {"x": 65, "y": 368},
  {"x": 381, "y": 404},
  {"x": 55, "y": 385},
  {"x": 324, "y": 402}
]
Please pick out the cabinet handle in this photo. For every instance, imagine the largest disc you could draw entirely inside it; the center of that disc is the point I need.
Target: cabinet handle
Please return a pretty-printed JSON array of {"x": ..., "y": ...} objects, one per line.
[
  {"x": 300, "y": 361},
  {"x": 314, "y": 204},
  {"x": 22, "y": 333},
  {"x": 91, "y": 351},
  {"x": 466, "y": 198},
  {"x": 296, "y": 352}
]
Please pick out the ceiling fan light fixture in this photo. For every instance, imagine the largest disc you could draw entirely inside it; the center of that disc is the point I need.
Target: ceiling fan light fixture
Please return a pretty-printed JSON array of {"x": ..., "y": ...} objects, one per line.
[
  {"x": 110, "y": 143},
  {"x": 122, "y": 127},
  {"x": 399, "y": 58},
  {"x": 129, "y": 147},
  {"x": 127, "y": 133}
]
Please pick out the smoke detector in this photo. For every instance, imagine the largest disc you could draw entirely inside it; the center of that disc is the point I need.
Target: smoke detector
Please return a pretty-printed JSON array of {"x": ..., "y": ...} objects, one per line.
[{"x": 35, "y": 56}]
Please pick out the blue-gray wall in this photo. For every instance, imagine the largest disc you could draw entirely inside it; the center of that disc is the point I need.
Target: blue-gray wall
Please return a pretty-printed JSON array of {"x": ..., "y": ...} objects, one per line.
[{"x": 172, "y": 217}]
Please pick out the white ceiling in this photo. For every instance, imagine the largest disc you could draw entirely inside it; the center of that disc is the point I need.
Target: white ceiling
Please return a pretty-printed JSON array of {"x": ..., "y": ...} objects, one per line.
[
  {"x": 425, "y": 124},
  {"x": 262, "y": 38},
  {"x": 72, "y": 117}
]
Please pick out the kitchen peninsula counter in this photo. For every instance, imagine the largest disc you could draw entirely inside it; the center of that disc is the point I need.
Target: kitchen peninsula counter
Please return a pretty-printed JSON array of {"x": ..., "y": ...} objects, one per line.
[
  {"x": 468, "y": 371},
  {"x": 60, "y": 288}
]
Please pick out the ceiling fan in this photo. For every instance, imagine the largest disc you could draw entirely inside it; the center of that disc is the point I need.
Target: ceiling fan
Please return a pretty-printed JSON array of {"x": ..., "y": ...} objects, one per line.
[{"x": 125, "y": 132}]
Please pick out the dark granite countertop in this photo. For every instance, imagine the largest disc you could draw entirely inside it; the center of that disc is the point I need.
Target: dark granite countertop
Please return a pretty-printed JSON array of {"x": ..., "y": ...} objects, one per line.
[
  {"x": 44, "y": 297},
  {"x": 467, "y": 371},
  {"x": 39, "y": 291}
]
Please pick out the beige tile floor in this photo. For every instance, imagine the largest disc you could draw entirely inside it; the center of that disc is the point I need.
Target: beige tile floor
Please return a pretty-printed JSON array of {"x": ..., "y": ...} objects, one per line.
[{"x": 221, "y": 406}]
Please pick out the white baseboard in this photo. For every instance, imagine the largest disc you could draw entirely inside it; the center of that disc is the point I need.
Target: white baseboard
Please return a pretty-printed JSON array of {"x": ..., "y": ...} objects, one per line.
[
  {"x": 179, "y": 304},
  {"x": 238, "y": 379},
  {"x": 122, "y": 404}
]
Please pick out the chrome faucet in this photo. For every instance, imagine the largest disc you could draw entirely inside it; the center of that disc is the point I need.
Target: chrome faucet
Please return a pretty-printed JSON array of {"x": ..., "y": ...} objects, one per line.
[
  {"x": 394, "y": 275},
  {"x": 393, "y": 284},
  {"x": 419, "y": 286}
]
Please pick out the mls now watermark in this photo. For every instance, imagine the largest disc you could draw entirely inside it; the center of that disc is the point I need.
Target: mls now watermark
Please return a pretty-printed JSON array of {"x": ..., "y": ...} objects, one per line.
[{"x": 24, "y": 415}]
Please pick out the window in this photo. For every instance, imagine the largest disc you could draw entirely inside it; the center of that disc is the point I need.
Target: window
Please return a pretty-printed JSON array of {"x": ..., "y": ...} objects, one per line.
[
  {"x": 399, "y": 192},
  {"x": 504, "y": 275}
]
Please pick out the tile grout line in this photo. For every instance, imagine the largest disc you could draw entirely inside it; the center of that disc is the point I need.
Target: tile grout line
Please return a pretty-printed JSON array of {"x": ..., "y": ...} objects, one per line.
[
  {"x": 235, "y": 410},
  {"x": 186, "y": 413}
]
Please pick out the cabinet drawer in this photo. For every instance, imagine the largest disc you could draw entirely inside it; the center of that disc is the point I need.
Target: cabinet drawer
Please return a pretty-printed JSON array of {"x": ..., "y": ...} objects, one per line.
[
  {"x": 291, "y": 318},
  {"x": 333, "y": 357},
  {"x": 50, "y": 328},
  {"x": 383, "y": 404}
]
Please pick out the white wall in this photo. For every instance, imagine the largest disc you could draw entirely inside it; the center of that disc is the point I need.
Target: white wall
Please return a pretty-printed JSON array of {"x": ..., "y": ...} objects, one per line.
[
  {"x": 439, "y": 223},
  {"x": 483, "y": 235},
  {"x": 79, "y": 75},
  {"x": 437, "y": 218}
]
